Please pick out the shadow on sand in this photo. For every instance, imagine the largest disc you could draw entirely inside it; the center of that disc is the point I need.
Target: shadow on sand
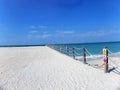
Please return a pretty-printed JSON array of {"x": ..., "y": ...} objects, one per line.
[
  {"x": 115, "y": 70},
  {"x": 1, "y": 88},
  {"x": 111, "y": 69}
]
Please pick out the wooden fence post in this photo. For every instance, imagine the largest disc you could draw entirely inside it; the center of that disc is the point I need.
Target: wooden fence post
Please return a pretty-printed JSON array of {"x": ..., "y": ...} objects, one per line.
[
  {"x": 84, "y": 55},
  {"x": 67, "y": 50},
  {"x": 105, "y": 54},
  {"x": 63, "y": 49},
  {"x": 73, "y": 51},
  {"x": 60, "y": 49}
]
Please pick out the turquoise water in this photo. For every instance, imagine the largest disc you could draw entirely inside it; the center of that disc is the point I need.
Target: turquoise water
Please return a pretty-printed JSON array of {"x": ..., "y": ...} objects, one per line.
[{"x": 92, "y": 48}]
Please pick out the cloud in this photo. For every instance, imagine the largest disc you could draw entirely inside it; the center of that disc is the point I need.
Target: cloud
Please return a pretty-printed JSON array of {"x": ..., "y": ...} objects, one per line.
[
  {"x": 46, "y": 35},
  {"x": 33, "y": 31},
  {"x": 65, "y": 32},
  {"x": 92, "y": 34},
  {"x": 68, "y": 32},
  {"x": 43, "y": 36},
  {"x": 71, "y": 34},
  {"x": 38, "y": 26},
  {"x": 41, "y": 26},
  {"x": 98, "y": 33}
]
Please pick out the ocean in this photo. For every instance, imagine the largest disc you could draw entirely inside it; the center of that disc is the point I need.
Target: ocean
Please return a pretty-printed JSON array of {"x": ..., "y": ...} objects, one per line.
[{"x": 94, "y": 50}]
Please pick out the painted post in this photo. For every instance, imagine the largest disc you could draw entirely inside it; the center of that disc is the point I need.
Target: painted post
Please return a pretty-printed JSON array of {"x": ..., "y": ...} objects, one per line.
[
  {"x": 73, "y": 51},
  {"x": 105, "y": 59},
  {"x": 67, "y": 50},
  {"x": 84, "y": 55}
]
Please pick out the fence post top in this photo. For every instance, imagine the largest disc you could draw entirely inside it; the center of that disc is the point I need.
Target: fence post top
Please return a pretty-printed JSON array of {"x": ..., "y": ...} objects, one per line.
[
  {"x": 105, "y": 47},
  {"x": 84, "y": 48}
]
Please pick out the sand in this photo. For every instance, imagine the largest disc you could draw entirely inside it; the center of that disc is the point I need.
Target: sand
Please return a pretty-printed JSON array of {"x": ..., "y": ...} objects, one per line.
[{"x": 41, "y": 68}]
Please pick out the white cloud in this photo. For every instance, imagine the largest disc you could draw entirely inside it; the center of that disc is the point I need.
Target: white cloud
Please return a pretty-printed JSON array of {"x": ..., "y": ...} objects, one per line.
[
  {"x": 38, "y": 26},
  {"x": 46, "y": 35},
  {"x": 65, "y": 32},
  {"x": 39, "y": 36},
  {"x": 92, "y": 34},
  {"x": 33, "y": 31},
  {"x": 98, "y": 33},
  {"x": 68, "y": 32},
  {"x": 113, "y": 31},
  {"x": 42, "y": 27}
]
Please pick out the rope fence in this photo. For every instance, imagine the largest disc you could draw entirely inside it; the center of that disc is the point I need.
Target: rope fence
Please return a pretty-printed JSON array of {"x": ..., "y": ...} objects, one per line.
[{"x": 83, "y": 54}]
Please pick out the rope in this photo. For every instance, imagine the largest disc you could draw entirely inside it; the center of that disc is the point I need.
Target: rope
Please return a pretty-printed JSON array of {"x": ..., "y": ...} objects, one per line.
[
  {"x": 115, "y": 70},
  {"x": 70, "y": 54},
  {"x": 114, "y": 62},
  {"x": 114, "y": 66},
  {"x": 70, "y": 51},
  {"x": 100, "y": 52},
  {"x": 96, "y": 65},
  {"x": 78, "y": 48},
  {"x": 110, "y": 51},
  {"x": 77, "y": 53},
  {"x": 89, "y": 53}
]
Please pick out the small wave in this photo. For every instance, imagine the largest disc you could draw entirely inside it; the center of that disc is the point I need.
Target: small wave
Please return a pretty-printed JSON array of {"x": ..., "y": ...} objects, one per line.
[
  {"x": 91, "y": 57},
  {"x": 100, "y": 56},
  {"x": 117, "y": 54}
]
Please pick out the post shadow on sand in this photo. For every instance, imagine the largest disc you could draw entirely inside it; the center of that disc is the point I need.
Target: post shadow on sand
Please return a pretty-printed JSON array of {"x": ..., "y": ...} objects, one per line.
[
  {"x": 114, "y": 69},
  {"x": 111, "y": 69},
  {"x": 1, "y": 88},
  {"x": 118, "y": 88}
]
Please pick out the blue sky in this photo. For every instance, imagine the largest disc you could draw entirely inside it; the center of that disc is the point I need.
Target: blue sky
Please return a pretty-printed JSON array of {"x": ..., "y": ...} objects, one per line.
[{"x": 59, "y": 21}]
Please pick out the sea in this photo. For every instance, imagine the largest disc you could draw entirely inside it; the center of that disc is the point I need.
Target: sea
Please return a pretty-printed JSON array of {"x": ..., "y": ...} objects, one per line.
[{"x": 93, "y": 50}]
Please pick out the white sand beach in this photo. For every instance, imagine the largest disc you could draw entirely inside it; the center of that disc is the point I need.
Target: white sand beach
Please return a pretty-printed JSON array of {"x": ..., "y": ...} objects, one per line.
[{"x": 41, "y": 68}]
